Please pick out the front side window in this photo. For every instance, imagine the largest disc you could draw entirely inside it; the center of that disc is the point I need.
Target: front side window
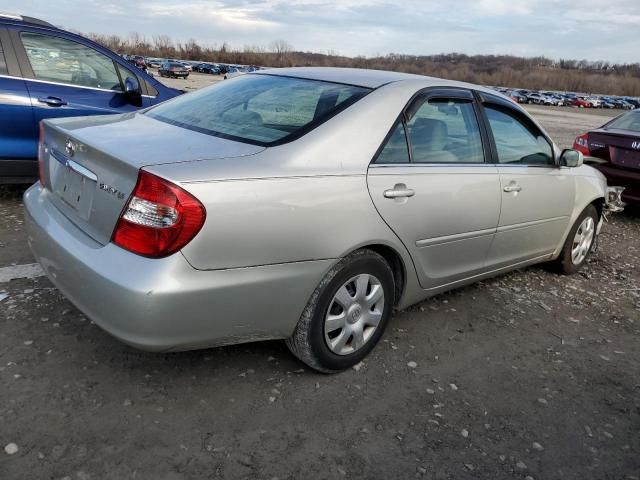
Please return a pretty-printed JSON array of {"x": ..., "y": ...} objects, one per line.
[
  {"x": 56, "y": 59},
  {"x": 517, "y": 142},
  {"x": 445, "y": 131},
  {"x": 259, "y": 109}
]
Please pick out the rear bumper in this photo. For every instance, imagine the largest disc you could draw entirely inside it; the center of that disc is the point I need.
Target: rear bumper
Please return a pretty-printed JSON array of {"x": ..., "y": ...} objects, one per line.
[
  {"x": 626, "y": 178},
  {"x": 165, "y": 304}
]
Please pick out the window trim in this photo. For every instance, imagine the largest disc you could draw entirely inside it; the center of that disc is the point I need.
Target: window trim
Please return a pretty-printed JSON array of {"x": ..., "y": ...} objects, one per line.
[{"x": 416, "y": 101}]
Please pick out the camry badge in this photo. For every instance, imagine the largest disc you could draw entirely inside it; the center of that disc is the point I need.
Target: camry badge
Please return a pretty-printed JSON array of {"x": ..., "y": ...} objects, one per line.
[{"x": 70, "y": 148}]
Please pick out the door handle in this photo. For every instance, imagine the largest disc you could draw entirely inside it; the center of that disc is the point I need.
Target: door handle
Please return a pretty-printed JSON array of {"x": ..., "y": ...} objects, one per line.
[
  {"x": 512, "y": 187},
  {"x": 52, "y": 101},
  {"x": 400, "y": 190}
]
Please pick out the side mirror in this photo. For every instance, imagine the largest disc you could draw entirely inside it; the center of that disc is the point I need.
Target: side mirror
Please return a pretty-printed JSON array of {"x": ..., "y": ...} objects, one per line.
[
  {"x": 571, "y": 158},
  {"x": 133, "y": 91}
]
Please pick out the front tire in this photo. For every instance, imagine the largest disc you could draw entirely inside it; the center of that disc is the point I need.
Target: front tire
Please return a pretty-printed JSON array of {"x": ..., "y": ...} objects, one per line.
[
  {"x": 579, "y": 242},
  {"x": 346, "y": 314}
]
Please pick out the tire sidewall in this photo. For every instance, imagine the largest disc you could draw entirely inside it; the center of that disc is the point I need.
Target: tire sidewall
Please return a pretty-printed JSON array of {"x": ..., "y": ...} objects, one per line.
[{"x": 369, "y": 264}]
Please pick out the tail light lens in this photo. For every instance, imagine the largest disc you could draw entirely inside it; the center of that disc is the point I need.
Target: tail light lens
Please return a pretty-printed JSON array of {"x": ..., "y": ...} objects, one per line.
[
  {"x": 159, "y": 219},
  {"x": 581, "y": 144}
]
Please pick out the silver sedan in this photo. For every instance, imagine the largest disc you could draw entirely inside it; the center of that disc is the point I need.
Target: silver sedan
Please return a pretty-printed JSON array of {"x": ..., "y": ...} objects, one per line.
[{"x": 301, "y": 204}]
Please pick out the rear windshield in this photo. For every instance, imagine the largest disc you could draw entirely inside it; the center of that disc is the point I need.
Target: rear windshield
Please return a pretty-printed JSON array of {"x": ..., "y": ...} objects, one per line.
[
  {"x": 176, "y": 65},
  {"x": 629, "y": 121},
  {"x": 259, "y": 109}
]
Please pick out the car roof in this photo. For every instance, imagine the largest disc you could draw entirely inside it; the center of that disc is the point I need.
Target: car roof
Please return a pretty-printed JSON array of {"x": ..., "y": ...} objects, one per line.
[
  {"x": 16, "y": 19},
  {"x": 352, "y": 76}
]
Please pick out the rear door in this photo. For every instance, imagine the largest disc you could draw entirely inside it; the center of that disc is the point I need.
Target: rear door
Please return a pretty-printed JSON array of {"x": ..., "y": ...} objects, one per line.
[
  {"x": 18, "y": 131},
  {"x": 68, "y": 78},
  {"x": 431, "y": 185},
  {"x": 537, "y": 196}
]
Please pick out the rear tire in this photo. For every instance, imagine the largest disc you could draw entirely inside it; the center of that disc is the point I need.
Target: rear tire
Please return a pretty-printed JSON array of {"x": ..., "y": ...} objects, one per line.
[
  {"x": 346, "y": 314},
  {"x": 579, "y": 242}
]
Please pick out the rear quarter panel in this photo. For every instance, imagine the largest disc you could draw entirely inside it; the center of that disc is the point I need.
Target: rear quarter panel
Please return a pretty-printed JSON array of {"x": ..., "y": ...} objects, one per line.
[{"x": 282, "y": 220}]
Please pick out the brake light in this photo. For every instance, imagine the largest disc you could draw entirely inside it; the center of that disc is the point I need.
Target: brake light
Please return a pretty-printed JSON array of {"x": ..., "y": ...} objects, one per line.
[
  {"x": 41, "y": 149},
  {"x": 159, "y": 219},
  {"x": 581, "y": 144}
]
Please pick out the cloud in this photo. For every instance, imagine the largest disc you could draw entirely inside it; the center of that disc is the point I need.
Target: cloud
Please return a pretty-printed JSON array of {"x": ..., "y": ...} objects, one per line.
[{"x": 589, "y": 29}]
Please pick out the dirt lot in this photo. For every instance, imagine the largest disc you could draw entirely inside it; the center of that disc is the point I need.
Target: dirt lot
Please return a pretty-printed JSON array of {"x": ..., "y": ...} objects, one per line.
[{"x": 529, "y": 375}]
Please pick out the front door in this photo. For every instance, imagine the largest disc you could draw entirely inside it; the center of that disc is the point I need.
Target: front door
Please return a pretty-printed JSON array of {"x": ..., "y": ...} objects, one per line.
[
  {"x": 431, "y": 185},
  {"x": 18, "y": 130},
  {"x": 537, "y": 196},
  {"x": 66, "y": 78}
]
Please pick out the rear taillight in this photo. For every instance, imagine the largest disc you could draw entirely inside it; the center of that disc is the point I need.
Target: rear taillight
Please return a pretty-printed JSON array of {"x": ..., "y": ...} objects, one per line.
[
  {"x": 159, "y": 219},
  {"x": 41, "y": 151},
  {"x": 581, "y": 143}
]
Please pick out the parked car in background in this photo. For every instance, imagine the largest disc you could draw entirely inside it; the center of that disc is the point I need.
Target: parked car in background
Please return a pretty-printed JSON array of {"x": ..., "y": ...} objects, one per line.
[
  {"x": 516, "y": 96},
  {"x": 581, "y": 102},
  {"x": 617, "y": 143},
  {"x": 633, "y": 101},
  {"x": 354, "y": 193},
  {"x": 539, "y": 99},
  {"x": 155, "y": 62},
  {"x": 207, "y": 68},
  {"x": 48, "y": 72},
  {"x": 233, "y": 72},
  {"x": 173, "y": 70}
]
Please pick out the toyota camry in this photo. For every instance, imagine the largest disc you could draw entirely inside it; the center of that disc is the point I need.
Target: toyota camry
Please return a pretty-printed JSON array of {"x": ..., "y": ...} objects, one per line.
[{"x": 301, "y": 204}]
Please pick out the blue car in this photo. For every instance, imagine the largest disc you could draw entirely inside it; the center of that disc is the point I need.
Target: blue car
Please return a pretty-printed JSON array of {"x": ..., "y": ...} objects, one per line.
[{"x": 46, "y": 72}]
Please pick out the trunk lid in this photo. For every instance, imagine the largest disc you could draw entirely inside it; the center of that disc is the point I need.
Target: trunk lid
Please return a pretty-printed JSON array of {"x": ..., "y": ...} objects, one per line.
[
  {"x": 90, "y": 165},
  {"x": 619, "y": 147}
]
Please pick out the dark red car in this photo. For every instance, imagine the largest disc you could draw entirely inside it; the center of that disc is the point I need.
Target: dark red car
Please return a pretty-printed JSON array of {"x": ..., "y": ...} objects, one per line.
[{"x": 617, "y": 143}]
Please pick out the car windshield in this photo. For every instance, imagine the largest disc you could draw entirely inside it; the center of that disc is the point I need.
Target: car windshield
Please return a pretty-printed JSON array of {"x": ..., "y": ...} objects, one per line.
[
  {"x": 259, "y": 109},
  {"x": 629, "y": 121}
]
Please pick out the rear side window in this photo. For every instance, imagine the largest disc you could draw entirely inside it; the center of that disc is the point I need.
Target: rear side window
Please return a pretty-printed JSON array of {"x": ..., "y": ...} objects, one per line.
[
  {"x": 517, "y": 142},
  {"x": 56, "y": 59},
  {"x": 396, "y": 149},
  {"x": 629, "y": 121},
  {"x": 445, "y": 131},
  {"x": 259, "y": 109}
]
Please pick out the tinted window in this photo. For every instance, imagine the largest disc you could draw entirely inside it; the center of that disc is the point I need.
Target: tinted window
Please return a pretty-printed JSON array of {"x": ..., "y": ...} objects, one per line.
[
  {"x": 516, "y": 141},
  {"x": 395, "y": 150},
  {"x": 629, "y": 121},
  {"x": 3, "y": 65},
  {"x": 261, "y": 109},
  {"x": 445, "y": 131},
  {"x": 58, "y": 60}
]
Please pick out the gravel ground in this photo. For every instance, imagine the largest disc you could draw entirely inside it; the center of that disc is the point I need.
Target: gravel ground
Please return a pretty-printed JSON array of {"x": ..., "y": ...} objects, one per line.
[{"x": 529, "y": 375}]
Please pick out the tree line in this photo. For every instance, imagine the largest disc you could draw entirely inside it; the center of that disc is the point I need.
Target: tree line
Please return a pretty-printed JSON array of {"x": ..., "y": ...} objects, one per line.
[{"x": 538, "y": 73}]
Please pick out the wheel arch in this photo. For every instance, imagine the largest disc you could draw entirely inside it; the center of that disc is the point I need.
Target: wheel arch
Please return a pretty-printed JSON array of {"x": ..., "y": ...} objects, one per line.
[{"x": 395, "y": 261}]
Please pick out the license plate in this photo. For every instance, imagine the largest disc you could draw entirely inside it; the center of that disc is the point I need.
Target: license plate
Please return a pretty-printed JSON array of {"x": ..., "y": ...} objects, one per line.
[
  {"x": 74, "y": 184},
  {"x": 625, "y": 158}
]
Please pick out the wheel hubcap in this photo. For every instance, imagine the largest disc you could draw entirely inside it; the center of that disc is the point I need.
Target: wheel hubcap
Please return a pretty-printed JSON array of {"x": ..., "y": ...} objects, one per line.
[
  {"x": 354, "y": 314},
  {"x": 583, "y": 240}
]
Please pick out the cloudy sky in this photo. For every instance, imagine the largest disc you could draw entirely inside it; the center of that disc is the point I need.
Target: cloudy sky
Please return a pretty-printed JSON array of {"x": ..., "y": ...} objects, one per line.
[{"x": 591, "y": 29}]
